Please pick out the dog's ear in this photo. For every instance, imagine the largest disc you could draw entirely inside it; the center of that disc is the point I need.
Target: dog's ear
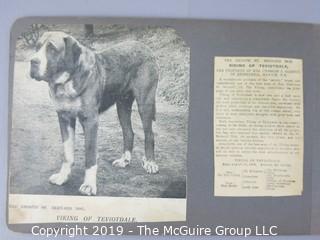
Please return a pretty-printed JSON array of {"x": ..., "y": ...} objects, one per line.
[{"x": 72, "y": 52}]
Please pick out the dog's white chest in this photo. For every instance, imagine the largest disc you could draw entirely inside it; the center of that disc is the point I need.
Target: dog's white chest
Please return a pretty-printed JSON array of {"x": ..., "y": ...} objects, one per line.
[
  {"x": 64, "y": 101},
  {"x": 69, "y": 105}
]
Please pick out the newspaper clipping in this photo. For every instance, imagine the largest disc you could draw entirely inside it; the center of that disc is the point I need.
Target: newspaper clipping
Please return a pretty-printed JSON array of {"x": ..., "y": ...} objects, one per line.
[{"x": 258, "y": 126}]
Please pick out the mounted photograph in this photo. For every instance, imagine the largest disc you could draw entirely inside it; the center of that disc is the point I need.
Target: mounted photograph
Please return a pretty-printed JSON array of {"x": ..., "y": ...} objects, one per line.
[{"x": 99, "y": 120}]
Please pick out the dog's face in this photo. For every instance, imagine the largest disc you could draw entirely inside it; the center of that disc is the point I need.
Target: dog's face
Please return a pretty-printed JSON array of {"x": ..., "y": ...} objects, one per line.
[{"x": 56, "y": 53}]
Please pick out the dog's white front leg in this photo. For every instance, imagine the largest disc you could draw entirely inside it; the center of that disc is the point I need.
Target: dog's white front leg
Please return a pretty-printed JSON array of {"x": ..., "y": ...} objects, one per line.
[
  {"x": 90, "y": 127},
  {"x": 68, "y": 132},
  {"x": 89, "y": 186}
]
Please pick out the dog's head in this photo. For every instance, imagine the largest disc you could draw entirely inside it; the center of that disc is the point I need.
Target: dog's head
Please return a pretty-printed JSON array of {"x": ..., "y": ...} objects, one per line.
[{"x": 57, "y": 53}]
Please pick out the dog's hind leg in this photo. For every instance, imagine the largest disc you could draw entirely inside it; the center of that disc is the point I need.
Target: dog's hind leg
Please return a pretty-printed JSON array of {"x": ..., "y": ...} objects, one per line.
[
  {"x": 67, "y": 128},
  {"x": 146, "y": 112},
  {"x": 124, "y": 109},
  {"x": 146, "y": 85}
]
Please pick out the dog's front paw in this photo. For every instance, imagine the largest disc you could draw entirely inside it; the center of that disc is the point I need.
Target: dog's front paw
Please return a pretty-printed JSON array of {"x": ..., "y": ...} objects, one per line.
[
  {"x": 88, "y": 189},
  {"x": 62, "y": 176},
  {"x": 89, "y": 186},
  {"x": 58, "y": 178},
  {"x": 123, "y": 161},
  {"x": 150, "y": 166}
]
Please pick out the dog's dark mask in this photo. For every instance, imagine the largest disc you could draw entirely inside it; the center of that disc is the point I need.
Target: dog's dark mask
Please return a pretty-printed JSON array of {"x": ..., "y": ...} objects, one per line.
[{"x": 61, "y": 59}]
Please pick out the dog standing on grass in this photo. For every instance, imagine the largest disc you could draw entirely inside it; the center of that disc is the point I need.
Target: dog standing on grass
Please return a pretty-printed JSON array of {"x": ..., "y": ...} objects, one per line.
[{"x": 84, "y": 84}]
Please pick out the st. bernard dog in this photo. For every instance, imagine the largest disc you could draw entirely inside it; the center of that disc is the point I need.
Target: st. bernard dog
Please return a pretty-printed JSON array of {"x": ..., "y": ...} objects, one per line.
[{"x": 84, "y": 83}]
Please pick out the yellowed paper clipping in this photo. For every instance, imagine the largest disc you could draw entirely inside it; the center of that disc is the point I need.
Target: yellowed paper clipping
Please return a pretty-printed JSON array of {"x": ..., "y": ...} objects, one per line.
[{"x": 258, "y": 126}]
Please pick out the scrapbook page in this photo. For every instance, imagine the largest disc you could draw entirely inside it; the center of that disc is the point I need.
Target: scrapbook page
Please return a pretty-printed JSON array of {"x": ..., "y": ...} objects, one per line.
[{"x": 136, "y": 126}]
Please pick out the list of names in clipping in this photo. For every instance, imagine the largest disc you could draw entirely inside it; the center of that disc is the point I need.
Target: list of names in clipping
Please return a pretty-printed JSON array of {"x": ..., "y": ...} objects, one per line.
[{"x": 258, "y": 126}]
